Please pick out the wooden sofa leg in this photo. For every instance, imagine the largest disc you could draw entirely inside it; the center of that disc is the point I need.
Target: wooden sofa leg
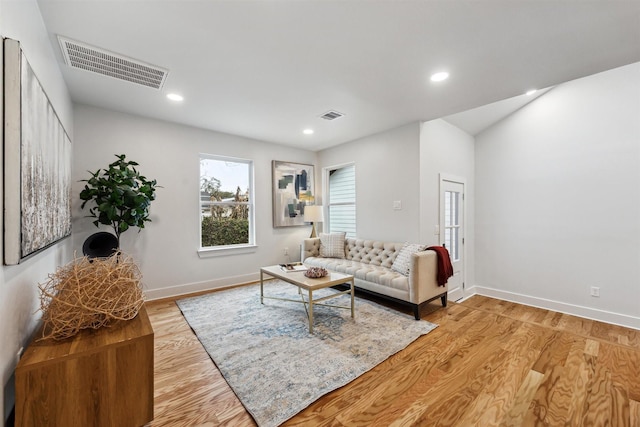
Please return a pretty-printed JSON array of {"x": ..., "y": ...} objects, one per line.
[
  {"x": 443, "y": 298},
  {"x": 416, "y": 311}
]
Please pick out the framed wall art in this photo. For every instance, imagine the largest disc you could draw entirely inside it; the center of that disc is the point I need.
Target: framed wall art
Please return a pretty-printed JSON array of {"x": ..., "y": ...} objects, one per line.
[
  {"x": 37, "y": 160},
  {"x": 293, "y": 189}
]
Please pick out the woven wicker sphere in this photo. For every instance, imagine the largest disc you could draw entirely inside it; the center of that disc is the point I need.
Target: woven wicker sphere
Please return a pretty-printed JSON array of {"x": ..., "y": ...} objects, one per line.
[{"x": 90, "y": 294}]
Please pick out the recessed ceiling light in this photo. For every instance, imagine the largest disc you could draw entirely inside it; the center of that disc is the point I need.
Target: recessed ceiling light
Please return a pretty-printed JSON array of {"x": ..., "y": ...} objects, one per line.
[
  {"x": 175, "y": 97},
  {"x": 308, "y": 131},
  {"x": 531, "y": 92},
  {"x": 438, "y": 77}
]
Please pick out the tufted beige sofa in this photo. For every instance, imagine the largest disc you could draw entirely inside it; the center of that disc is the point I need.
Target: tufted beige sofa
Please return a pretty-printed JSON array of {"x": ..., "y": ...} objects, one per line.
[{"x": 370, "y": 261}]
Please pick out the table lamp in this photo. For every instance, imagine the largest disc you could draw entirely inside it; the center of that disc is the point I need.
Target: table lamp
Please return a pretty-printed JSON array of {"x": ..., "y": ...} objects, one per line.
[{"x": 313, "y": 214}]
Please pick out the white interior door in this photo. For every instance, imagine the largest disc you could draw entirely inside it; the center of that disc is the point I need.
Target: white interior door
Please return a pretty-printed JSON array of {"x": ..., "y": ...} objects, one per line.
[{"x": 452, "y": 231}]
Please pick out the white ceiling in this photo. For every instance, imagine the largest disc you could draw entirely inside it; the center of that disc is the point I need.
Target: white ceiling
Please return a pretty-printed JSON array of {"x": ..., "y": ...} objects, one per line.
[
  {"x": 267, "y": 69},
  {"x": 480, "y": 118}
]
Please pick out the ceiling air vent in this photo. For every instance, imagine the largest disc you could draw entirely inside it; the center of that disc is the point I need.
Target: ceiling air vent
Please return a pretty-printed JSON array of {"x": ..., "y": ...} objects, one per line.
[
  {"x": 331, "y": 115},
  {"x": 97, "y": 60}
]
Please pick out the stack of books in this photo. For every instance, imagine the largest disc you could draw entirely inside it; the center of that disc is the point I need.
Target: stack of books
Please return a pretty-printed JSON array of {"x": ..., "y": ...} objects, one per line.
[{"x": 291, "y": 267}]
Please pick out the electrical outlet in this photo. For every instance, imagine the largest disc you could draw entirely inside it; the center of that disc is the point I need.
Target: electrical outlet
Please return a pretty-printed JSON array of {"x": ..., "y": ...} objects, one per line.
[
  {"x": 595, "y": 291},
  {"x": 286, "y": 251}
]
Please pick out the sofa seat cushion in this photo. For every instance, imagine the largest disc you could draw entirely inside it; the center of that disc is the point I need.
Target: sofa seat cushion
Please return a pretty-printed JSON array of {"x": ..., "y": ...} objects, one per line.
[{"x": 371, "y": 273}]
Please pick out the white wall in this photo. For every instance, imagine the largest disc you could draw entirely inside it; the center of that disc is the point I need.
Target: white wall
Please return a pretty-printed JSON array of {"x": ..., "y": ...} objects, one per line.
[
  {"x": 167, "y": 247},
  {"x": 387, "y": 169},
  {"x": 445, "y": 149},
  {"x": 19, "y": 295},
  {"x": 558, "y": 200}
]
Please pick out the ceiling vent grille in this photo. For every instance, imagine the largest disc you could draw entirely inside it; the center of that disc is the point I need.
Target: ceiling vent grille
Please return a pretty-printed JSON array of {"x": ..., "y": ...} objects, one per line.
[
  {"x": 331, "y": 115},
  {"x": 90, "y": 58}
]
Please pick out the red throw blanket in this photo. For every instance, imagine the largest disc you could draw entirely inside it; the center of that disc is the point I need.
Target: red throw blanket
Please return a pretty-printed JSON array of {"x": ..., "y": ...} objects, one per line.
[{"x": 445, "y": 269}]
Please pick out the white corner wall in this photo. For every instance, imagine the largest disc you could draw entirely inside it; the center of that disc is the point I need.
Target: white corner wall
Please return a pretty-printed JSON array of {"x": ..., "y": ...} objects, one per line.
[
  {"x": 387, "y": 170},
  {"x": 166, "y": 249},
  {"x": 446, "y": 149},
  {"x": 558, "y": 200},
  {"x": 19, "y": 295}
]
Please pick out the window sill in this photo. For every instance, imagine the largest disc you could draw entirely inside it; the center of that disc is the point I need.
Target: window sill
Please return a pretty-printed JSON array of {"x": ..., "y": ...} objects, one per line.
[{"x": 226, "y": 250}]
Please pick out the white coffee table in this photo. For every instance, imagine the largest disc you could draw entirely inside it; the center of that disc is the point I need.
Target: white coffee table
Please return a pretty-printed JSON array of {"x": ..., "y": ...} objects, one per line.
[{"x": 298, "y": 279}]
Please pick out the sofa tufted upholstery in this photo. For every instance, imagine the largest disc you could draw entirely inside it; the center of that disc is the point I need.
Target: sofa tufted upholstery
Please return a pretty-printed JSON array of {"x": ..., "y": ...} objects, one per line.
[{"x": 370, "y": 261}]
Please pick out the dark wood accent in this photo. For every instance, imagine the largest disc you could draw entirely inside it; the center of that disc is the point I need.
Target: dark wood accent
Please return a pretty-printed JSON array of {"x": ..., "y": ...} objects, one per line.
[{"x": 100, "y": 377}]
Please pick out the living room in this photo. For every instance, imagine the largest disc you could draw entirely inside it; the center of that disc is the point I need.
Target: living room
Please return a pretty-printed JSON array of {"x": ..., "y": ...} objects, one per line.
[{"x": 552, "y": 197}]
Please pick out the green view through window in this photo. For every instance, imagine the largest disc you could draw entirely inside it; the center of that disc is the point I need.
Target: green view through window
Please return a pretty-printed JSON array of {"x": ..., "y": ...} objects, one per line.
[{"x": 226, "y": 202}]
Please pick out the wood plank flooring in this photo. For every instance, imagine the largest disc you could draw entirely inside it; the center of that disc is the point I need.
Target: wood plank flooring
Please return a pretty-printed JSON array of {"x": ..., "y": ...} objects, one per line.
[{"x": 489, "y": 363}]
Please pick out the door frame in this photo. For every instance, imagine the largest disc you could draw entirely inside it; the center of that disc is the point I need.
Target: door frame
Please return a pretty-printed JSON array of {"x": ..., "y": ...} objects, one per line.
[{"x": 442, "y": 177}]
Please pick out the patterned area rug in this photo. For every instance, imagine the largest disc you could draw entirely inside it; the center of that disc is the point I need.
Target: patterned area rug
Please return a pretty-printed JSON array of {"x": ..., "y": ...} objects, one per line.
[{"x": 272, "y": 363}]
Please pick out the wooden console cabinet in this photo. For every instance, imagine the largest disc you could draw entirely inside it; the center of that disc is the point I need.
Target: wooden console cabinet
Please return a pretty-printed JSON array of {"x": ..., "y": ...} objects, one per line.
[{"x": 100, "y": 377}]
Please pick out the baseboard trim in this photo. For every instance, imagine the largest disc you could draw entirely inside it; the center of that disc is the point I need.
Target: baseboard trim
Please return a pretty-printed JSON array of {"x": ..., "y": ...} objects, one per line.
[
  {"x": 468, "y": 294},
  {"x": 207, "y": 285},
  {"x": 575, "y": 310}
]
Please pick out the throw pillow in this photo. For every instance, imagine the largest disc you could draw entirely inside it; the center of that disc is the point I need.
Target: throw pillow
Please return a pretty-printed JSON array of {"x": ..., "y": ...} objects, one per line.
[
  {"x": 332, "y": 245},
  {"x": 403, "y": 261}
]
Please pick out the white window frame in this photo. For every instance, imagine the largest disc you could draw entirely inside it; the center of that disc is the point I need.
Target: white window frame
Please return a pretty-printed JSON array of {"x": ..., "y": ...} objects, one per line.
[
  {"x": 326, "y": 174},
  {"x": 213, "y": 251}
]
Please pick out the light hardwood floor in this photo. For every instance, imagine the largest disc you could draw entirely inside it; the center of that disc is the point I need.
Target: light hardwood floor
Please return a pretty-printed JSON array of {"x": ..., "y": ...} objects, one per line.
[{"x": 489, "y": 363}]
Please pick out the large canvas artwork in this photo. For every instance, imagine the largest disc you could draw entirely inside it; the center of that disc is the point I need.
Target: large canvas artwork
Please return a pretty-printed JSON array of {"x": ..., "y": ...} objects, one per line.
[
  {"x": 293, "y": 189},
  {"x": 37, "y": 159}
]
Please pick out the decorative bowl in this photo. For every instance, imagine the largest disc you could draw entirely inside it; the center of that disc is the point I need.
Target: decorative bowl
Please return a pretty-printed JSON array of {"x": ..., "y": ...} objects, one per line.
[{"x": 316, "y": 272}]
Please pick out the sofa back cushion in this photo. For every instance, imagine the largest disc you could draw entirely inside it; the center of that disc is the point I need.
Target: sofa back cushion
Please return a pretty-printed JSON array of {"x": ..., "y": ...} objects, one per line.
[{"x": 372, "y": 252}]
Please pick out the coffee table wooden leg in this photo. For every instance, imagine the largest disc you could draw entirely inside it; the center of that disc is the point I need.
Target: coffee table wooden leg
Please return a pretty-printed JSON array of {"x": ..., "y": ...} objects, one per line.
[
  {"x": 261, "y": 287},
  {"x": 310, "y": 311},
  {"x": 352, "y": 304}
]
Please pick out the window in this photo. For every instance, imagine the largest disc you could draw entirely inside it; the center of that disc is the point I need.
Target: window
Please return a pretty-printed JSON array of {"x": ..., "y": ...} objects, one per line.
[
  {"x": 342, "y": 200},
  {"x": 226, "y": 202},
  {"x": 452, "y": 223}
]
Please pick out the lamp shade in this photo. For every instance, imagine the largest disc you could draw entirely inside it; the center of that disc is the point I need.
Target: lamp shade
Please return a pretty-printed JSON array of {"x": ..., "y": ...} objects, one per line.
[{"x": 313, "y": 213}]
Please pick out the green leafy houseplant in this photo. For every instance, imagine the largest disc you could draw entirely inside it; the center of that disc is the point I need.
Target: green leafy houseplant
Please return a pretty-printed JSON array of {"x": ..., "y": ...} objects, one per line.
[{"x": 121, "y": 195}]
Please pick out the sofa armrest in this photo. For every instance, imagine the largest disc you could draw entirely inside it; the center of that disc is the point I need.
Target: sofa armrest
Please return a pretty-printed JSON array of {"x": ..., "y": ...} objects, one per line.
[
  {"x": 423, "y": 273},
  {"x": 310, "y": 247}
]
